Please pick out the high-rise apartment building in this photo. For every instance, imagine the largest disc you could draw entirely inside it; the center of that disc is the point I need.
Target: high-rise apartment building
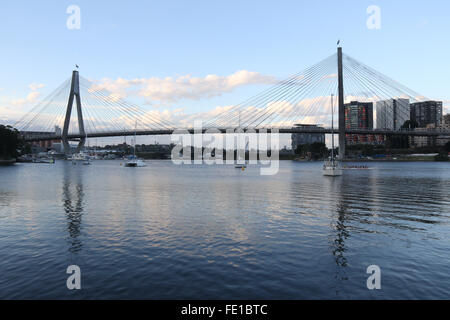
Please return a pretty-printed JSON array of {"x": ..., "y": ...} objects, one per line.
[
  {"x": 299, "y": 139},
  {"x": 426, "y": 113},
  {"x": 359, "y": 115},
  {"x": 392, "y": 114}
]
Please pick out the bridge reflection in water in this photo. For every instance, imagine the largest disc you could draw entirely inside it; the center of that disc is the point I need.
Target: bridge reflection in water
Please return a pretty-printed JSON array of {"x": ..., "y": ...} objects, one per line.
[{"x": 73, "y": 204}]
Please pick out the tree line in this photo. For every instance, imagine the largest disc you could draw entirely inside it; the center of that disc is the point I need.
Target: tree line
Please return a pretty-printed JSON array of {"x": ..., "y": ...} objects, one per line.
[{"x": 10, "y": 142}]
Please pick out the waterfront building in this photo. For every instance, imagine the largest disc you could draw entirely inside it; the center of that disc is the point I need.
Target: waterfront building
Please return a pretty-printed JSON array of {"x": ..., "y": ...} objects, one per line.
[
  {"x": 58, "y": 130},
  {"x": 46, "y": 145},
  {"x": 426, "y": 113},
  {"x": 423, "y": 142},
  {"x": 58, "y": 147},
  {"x": 445, "y": 126},
  {"x": 299, "y": 139},
  {"x": 392, "y": 114}
]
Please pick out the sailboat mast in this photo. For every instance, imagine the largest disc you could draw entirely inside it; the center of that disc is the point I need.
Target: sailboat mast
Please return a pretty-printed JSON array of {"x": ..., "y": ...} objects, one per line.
[
  {"x": 134, "y": 149},
  {"x": 239, "y": 117},
  {"x": 332, "y": 129}
]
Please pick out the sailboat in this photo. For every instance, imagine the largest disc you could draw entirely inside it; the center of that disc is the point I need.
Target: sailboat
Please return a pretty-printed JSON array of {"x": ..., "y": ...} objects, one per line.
[
  {"x": 87, "y": 161},
  {"x": 135, "y": 162},
  {"x": 81, "y": 156},
  {"x": 243, "y": 166},
  {"x": 332, "y": 167}
]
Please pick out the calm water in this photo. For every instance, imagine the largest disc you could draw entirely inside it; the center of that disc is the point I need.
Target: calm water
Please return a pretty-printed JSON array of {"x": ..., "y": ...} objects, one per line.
[{"x": 214, "y": 232}]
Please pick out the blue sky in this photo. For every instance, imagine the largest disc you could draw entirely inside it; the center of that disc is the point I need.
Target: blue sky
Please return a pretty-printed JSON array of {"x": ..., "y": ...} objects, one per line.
[{"x": 145, "y": 39}]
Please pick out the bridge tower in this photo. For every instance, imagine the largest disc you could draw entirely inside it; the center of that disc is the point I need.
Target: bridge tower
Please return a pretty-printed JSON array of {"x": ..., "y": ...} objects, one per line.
[
  {"x": 74, "y": 94},
  {"x": 341, "y": 106}
]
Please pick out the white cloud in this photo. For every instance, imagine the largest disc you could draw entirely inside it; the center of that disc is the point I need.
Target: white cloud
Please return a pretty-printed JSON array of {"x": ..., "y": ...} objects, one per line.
[
  {"x": 330, "y": 76},
  {"x": 8, "y": 115},
  {"x": 172, "y": 89},
  {"x": 32, "y": 97},
  {"x": 423, "y": 22},
  {"x": 12, "y": 109},
  {"x": 446, "y": 107},
  {"x": 36, "y": 86}
]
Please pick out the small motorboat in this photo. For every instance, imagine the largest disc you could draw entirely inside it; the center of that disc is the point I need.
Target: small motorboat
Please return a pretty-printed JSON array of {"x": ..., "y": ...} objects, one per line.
[
  {"x": 135, "y": 163},
  {"x": 44, "y": 160}
]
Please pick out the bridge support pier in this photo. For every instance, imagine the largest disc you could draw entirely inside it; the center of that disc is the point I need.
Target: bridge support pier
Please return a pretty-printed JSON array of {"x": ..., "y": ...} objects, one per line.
[
  {"x": 74, "y": 94},
  {"x": 341, "y": 106}
]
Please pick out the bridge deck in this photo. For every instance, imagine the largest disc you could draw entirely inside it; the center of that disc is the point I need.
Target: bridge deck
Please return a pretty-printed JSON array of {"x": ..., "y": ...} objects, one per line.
[{"x": 46, "y": 136}]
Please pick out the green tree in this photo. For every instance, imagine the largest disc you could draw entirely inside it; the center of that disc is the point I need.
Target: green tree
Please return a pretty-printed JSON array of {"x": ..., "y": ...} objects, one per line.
[
  {"x": 368, "y": 150},
  {"x": 447, "y": 147},
  {"x": 9, "y": 142},
  {"x": 314, "y": 151},
  {"x": 303, "y": 149},
  {"x": 319, "y": 150},
  {"x": 443, "y": 156},
  {"x": 410, "y": 124}
]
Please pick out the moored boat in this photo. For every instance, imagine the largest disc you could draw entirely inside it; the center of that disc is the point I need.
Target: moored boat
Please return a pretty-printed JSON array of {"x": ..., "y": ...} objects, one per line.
[
  {"x": 332, "y": 169},
  {"x": 134, "y": 162}
]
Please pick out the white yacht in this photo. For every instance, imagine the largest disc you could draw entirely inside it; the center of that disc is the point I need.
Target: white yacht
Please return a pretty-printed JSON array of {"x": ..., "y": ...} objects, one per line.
[
  {"x": 135, "y": 162},
  {"x": 80, "y": 157},
  {"x": 332, "y": 167}
]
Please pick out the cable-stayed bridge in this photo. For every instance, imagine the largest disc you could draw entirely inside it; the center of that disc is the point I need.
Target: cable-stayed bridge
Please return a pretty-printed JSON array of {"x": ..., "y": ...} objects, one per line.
[{"x": 80, "y": 108}]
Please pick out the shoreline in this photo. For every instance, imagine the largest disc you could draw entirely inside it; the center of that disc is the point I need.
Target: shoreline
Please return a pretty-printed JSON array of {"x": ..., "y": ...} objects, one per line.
[{"x": 8, "y": 162}]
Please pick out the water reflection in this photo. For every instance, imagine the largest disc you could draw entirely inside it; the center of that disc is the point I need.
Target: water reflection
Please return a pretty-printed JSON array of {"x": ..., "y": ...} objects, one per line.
[
  {"x": 166, "y": 232},
  {"x": 340, "y": 232},
  {"x": 72, "y": 198},
  {"x": 6, "y": 197},
  {"x": 341, "y": 235}
]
